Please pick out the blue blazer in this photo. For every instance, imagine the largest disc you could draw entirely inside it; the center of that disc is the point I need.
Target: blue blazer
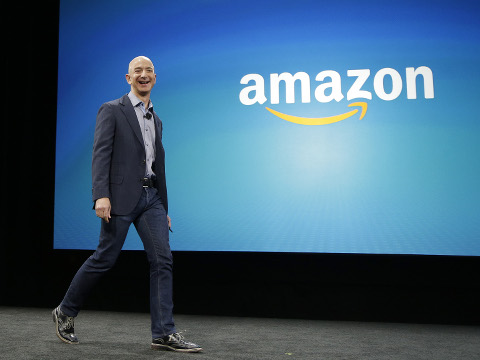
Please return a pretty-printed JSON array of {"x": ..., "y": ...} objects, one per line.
[{"x": 118, "y": 161}]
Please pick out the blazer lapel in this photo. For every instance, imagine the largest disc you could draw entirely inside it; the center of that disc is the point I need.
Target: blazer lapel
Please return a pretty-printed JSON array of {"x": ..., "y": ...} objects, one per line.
[
  {"x": 131, "y": 116},
  {"x": 158, "y": 130}
]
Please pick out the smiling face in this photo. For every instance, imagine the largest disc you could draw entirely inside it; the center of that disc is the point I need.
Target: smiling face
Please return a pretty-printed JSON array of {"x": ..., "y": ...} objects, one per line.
[{"x": 141, "y": 76}]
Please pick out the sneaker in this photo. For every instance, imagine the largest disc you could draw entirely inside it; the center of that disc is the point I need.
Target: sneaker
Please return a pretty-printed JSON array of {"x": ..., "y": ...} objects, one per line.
[
  {"x": 64, "y": 326},
  {"x": 174, "y": 342}
]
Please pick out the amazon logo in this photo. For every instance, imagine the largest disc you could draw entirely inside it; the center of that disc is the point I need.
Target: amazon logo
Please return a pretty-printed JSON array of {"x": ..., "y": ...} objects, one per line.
[{"x": 329, "y": 88}]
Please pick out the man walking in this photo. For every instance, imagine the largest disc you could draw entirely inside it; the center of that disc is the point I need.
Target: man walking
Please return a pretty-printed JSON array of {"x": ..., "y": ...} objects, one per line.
[{"x": 129, "y": 186}]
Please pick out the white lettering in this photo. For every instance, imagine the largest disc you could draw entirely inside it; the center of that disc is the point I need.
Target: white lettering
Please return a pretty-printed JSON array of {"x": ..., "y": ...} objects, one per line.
[
  {"x": 289, "y": 80},
  {"x": 356, "y": 88},
  {"x": 259, "y": 89},
  {"x": 427, "y": 82},
  {"x": 332, "y": 90},
  {"x": 396, "y": 84},
  {"x": 335, "y": 85}
]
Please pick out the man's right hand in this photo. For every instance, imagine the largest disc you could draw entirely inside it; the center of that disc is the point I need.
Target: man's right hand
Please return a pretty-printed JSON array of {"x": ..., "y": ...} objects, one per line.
[{"x": 102, "y": 208}]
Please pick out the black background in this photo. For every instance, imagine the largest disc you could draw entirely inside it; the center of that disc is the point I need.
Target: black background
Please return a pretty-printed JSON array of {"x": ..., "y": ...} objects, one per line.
[{"x": 434, "y": 289}]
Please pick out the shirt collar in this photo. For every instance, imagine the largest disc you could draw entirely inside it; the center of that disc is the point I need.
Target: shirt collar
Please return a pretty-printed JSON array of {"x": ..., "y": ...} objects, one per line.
[{"x": 136, "y": 101}]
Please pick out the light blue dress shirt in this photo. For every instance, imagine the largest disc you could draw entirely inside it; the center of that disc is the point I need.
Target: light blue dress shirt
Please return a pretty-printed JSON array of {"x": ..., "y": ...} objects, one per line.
[{"x": 147, "y": 127}]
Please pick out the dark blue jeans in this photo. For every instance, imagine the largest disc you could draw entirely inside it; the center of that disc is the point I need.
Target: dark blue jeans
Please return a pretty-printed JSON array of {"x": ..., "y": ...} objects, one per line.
[{"x": 150, "y": 220}]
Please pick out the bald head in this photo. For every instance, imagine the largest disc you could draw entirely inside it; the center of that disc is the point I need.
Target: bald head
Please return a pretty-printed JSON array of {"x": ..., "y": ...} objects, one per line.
[
  {"x": 141, "y": 77},
  {"x": 138, "y": 60}
]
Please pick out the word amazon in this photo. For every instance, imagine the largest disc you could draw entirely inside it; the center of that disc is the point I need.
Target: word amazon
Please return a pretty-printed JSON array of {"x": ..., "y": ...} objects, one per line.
[{"x": 331, "y": 90}]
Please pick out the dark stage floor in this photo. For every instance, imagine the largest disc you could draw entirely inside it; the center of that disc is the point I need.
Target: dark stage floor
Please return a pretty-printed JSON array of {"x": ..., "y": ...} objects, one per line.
[{"x": 28, "y": 333}]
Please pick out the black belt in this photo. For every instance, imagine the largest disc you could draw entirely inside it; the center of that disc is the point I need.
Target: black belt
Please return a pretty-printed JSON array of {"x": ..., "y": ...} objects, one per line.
[{"x": 148, "y": 182}]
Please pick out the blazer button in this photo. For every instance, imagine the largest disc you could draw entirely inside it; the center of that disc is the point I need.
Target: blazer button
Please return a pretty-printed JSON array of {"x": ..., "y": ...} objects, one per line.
[{"x": 143, "y": 162}]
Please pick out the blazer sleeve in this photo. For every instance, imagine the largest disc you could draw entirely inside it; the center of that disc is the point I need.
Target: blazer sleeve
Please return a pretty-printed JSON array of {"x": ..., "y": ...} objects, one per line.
[
  {"x": 102, "y": 151},
  {"x": 160, "y": 164}
]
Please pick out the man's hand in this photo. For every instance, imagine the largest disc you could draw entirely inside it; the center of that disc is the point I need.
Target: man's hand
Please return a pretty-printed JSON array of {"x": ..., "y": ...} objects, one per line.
[
  {"x": 102, "y": 208},
  {"x": 169, "y": 223}
]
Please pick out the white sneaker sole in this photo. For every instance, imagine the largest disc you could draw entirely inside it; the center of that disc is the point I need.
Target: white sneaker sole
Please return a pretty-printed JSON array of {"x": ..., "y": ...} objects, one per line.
[{"x": 166, "y": 347}]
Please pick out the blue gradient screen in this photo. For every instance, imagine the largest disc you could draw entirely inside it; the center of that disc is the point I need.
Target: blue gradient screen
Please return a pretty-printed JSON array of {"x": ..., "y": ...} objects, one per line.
[{"x": 289, "y": 126}]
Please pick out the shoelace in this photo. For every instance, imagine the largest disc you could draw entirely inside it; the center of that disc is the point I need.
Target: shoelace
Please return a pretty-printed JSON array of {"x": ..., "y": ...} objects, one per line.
[
  {"x": 68, "y": 324},
  {"x": 177, "y": 337}
]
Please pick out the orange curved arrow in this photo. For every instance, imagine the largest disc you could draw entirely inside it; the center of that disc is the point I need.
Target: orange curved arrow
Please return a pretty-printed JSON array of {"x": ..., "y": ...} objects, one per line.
[{"x": 324, "y": 120}]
